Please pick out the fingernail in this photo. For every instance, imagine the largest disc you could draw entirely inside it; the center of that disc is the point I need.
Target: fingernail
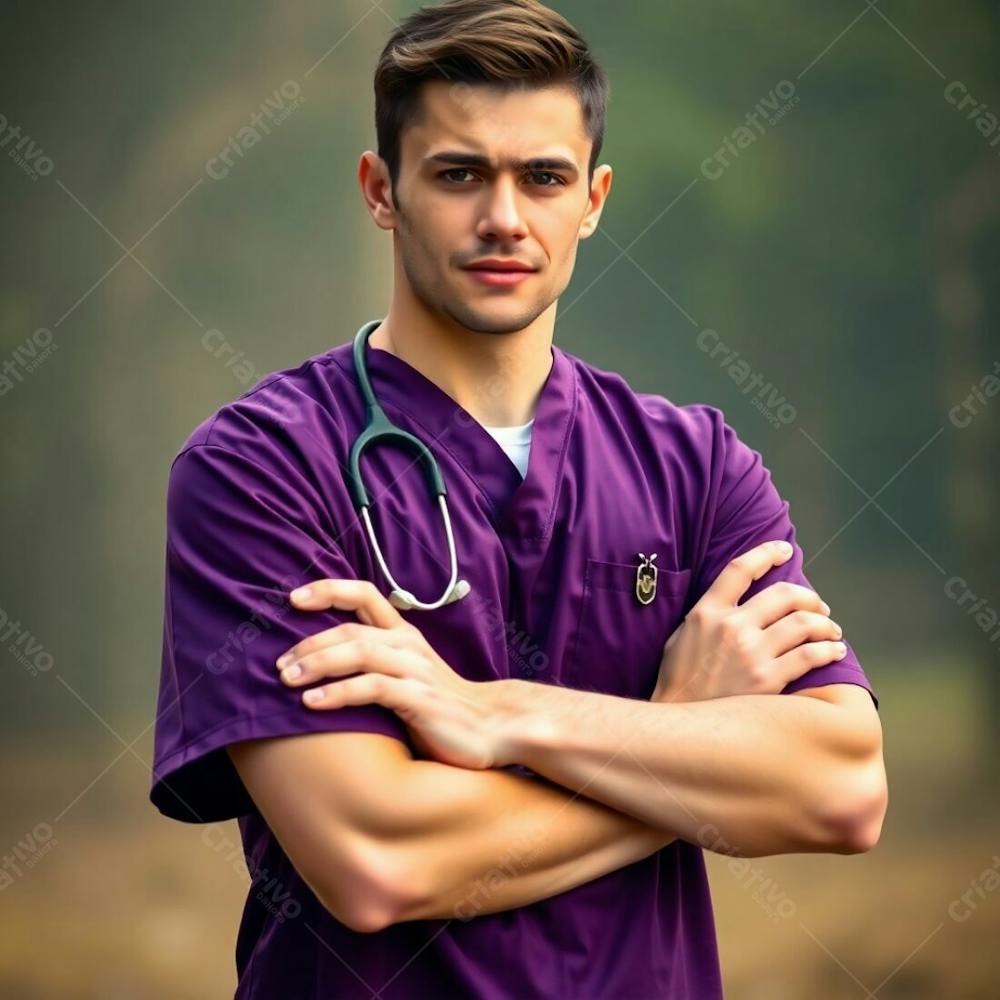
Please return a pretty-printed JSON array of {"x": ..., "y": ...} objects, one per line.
[
  {"x": 826, "y": 608},
  {"x": 840, "y": 650},
  {"x": 837, "y": 630},
  {"x": 301, "y": 593},
  {"x": 290, "y": 673},
  {"x": 312, "y": 695},
  {"x": 784, "y": 548},
  {"x": 282, "y": 661}
]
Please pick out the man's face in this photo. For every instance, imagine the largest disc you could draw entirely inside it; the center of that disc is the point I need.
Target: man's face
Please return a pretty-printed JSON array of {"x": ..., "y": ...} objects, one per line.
[{"x": 463, "y": 199}]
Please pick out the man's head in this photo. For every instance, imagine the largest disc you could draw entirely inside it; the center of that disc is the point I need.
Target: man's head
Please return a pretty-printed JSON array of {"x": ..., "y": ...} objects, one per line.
[{"x": 490, "y": 119}]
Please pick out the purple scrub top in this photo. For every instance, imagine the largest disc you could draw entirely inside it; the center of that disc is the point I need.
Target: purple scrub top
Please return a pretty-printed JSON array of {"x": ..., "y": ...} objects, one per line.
[{"x": 257, "y": 504}]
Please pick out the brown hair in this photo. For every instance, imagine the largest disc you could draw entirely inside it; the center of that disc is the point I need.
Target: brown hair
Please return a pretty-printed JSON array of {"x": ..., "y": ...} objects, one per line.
[{"x": 513, "y": 44}]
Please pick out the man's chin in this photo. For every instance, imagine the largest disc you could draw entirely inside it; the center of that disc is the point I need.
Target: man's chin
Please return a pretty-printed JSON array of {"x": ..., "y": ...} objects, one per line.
[{"x": 497, "y": 319}]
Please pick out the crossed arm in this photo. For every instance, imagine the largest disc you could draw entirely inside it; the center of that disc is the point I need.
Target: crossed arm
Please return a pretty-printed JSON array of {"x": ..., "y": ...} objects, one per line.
[
  {"x": 381, "y": 837},
  {"x": 397, "y": 839},
  {"x": 763, "y": 773}
]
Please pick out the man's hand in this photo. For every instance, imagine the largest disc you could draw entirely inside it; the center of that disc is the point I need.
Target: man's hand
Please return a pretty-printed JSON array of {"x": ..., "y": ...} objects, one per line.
[
  {"x": 451, "y": 719},
  {"x": 723, "y": 648}
]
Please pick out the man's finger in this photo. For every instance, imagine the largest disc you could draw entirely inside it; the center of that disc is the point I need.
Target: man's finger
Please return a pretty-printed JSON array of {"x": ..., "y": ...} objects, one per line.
[
  {"x": 345, "y": 632},
  {"x": 797, "y": 628},
  {"x": 773, "y": 603},
  {"x": 368, "y": 689},
  {"x": 360, "y": 596},
  {"x": 351, "y": 658},
  {"x": 733, "y": 582},
  {"x": 804, "y": 658}
]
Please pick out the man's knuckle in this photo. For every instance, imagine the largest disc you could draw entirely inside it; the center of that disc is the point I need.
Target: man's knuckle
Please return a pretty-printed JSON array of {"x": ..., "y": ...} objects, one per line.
[
  {"x": 728, "y": 625},
  {"x": 416, "y": 688},
  {"x": 699, "y": 614},
  {"x": 745, "y": 561},
  {"x": 364, "y": 647},
  {"x": 736, "y": 635},
  {"x": 408, "y": 632},
  {"x": 304, "y": 647},
  {"x": 356, "y": 632}
]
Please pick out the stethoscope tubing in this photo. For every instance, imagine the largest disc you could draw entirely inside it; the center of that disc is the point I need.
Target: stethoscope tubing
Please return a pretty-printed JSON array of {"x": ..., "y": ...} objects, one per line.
[{"x": 380, "y": 429}]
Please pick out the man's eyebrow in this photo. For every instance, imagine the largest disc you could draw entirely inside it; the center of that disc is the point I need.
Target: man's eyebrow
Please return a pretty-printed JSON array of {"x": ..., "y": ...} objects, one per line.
[{"x": 460, "y": 159}]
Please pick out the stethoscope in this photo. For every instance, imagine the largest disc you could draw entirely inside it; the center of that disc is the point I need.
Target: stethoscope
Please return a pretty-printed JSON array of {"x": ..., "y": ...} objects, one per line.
[{"x": 380, "y": 427}]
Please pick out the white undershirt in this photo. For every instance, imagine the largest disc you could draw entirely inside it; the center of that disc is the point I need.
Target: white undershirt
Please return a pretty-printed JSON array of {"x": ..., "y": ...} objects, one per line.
[{"x": 516, "y": 442}]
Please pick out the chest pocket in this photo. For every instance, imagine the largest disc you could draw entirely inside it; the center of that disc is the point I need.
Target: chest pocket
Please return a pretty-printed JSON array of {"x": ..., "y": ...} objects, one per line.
[{"x": 619, "y": 641}]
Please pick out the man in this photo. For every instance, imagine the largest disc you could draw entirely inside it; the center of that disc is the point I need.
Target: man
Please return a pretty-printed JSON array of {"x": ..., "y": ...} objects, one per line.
[{"x": 507, "y": 795}]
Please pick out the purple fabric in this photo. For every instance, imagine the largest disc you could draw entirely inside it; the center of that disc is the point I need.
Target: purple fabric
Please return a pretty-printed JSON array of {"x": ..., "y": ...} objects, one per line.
[{"x": 257, "y": 505}]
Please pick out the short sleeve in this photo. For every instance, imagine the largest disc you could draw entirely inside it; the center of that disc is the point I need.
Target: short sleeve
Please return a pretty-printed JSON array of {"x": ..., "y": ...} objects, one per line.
[
  {"x": 743, "y": 510},
  {"x": 239, "y": 538}
]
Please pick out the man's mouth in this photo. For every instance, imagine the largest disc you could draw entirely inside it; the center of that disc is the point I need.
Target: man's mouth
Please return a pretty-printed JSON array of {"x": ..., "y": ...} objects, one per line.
[{"x": 499, "y": 272}]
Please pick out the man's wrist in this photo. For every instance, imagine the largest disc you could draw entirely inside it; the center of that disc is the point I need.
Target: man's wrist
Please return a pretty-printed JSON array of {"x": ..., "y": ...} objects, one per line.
[{"x": 518, "y": 723}]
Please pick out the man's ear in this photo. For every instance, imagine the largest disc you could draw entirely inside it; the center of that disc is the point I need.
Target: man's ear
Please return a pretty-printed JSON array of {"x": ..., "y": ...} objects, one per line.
[
  {"x": 376, "y": 189},
  {"x": 600, "y": 188}
]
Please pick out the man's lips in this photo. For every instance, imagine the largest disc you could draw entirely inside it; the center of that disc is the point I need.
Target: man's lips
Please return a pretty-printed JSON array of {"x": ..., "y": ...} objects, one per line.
[
  {"x": 500, "y": 279},
  {"x": 500, "y": 273},
  {"x": 499, "y": 264}
]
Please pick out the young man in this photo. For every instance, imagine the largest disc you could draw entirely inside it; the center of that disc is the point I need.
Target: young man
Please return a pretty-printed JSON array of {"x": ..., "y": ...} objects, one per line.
[{"x": 508, "y": 794}]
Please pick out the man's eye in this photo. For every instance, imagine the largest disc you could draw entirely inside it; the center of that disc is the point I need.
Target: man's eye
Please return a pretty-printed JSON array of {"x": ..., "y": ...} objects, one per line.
[
  {"x": 450, "y": 174},
  {"x": 547, "y": 173},
  {"x": 543, "y": 178}
]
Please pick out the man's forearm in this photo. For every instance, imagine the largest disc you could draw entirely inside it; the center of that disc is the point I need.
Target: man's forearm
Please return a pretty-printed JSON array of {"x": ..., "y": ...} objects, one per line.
[
  {"x": 766, "y": 773},
  {"x": 471, "y": 842}
]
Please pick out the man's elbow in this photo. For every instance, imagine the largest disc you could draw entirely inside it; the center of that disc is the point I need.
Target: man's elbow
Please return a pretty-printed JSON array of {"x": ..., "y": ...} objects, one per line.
[
  {"x": 380, "y": 890},
  {"x": 854, "y": 824}
]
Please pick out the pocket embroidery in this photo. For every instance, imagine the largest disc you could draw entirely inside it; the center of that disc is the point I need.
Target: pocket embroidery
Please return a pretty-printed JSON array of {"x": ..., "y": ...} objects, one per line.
[
  {"x": 619, "y": 643},
  {"x": 645, "y": 578}
]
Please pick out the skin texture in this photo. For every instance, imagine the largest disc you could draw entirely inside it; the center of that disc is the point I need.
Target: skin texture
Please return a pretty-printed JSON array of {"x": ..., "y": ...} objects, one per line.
[{"x": 383, "y": 837}]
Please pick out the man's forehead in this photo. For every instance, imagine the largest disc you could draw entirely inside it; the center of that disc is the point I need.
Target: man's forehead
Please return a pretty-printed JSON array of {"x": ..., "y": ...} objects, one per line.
[{"x": 499, "y": 125}]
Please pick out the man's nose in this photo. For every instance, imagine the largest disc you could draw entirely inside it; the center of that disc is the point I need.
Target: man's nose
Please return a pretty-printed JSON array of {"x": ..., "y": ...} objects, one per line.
[{"x": 502, "y": 217}]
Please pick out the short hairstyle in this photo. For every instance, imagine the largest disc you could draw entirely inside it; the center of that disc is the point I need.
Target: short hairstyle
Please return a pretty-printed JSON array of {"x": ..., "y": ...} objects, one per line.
[{"x": 512, "y": 44}]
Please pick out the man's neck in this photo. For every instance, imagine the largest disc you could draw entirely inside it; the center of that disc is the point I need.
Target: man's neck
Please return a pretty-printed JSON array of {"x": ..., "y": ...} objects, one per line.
[{"x": 496, "y": 377}]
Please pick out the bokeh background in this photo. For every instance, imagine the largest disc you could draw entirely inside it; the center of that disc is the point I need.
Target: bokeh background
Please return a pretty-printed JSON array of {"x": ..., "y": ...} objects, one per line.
[{"x": 849, "y": 253}]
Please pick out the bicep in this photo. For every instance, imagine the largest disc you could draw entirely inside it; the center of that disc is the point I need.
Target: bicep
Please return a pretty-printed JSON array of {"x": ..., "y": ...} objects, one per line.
[
  {"x": 327, "y": 798},
  {"x": 846, "y": 695},
  {"x": 862, "y": 723}
]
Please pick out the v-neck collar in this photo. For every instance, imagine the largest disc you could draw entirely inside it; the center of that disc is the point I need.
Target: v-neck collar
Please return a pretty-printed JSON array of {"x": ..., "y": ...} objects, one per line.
[{"x": 522, "y": 508}]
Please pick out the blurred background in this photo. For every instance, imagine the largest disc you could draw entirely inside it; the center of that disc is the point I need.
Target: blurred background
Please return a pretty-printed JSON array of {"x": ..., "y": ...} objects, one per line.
[{"x": 815, "y": 189}]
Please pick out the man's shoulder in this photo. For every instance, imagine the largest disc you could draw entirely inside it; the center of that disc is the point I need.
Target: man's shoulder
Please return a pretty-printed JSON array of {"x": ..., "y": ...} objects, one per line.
[
  {"x": 283, "y": 407},
  {"x": 699, "y": 423}
]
